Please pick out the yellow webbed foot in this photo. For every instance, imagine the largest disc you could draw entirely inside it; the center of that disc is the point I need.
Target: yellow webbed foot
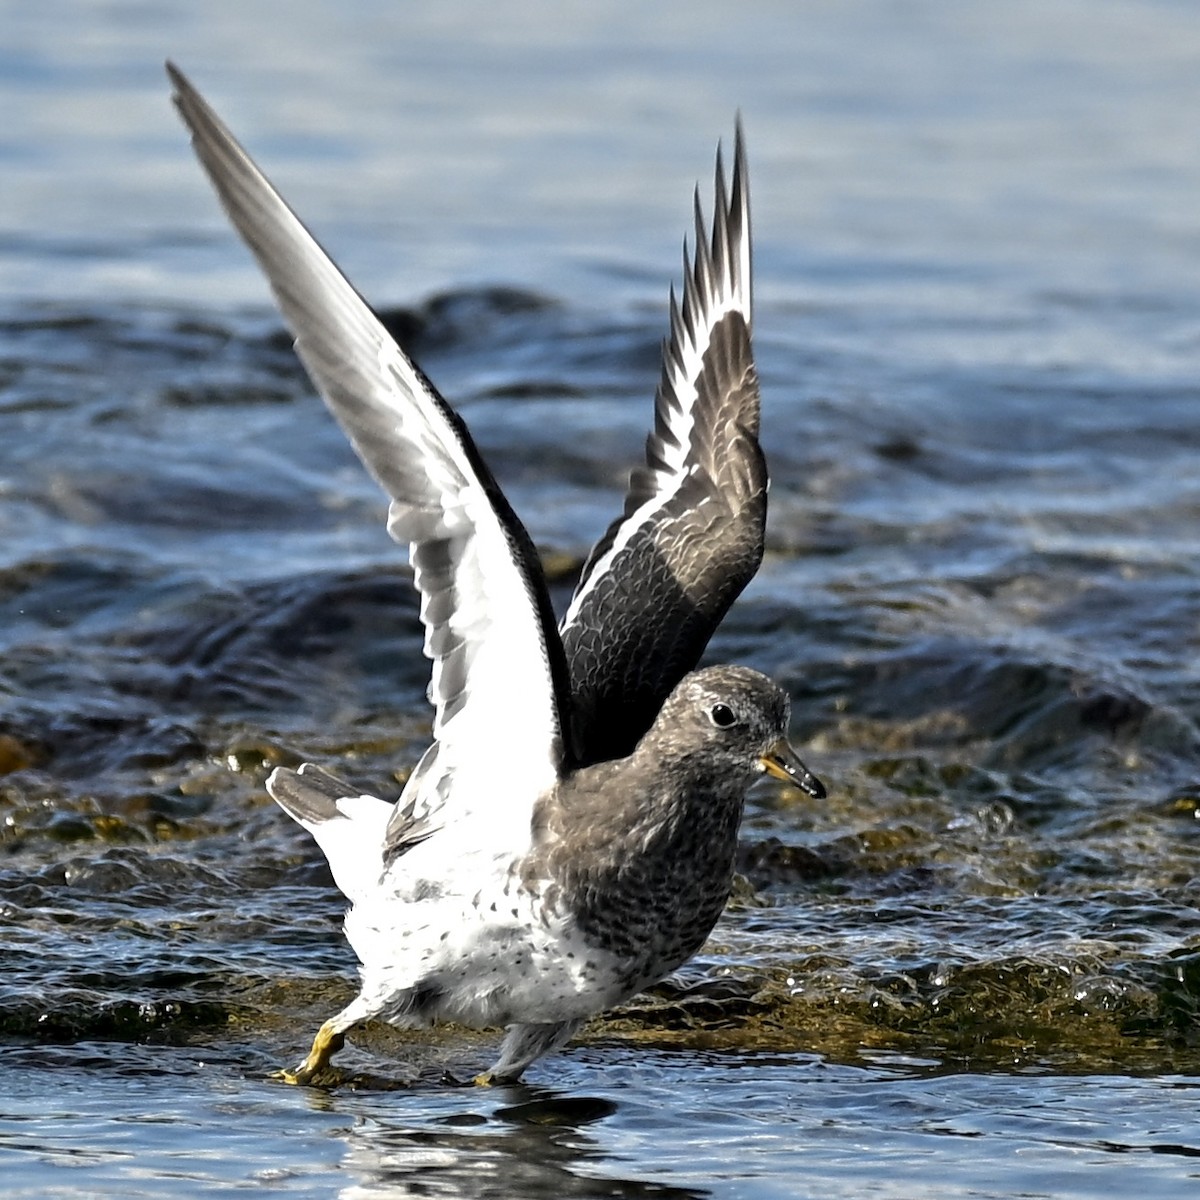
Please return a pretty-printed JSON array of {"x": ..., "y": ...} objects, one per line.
[
  {"x": 491, "y": 1079},
  {"x": 315, "y": 1069}
]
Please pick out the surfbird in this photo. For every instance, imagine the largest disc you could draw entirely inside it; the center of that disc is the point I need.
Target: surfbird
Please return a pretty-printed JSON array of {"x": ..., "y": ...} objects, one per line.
[{"x": 568, "y": 839}]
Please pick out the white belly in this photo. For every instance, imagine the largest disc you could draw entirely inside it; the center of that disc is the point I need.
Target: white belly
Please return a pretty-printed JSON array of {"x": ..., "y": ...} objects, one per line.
[{"x": 492, "y": 958}]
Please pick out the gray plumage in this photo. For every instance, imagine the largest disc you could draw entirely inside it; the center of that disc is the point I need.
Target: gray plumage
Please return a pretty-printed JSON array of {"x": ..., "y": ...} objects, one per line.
[
  {"x": 568, "y": 837},
  {"x": 640, "y": 850}
]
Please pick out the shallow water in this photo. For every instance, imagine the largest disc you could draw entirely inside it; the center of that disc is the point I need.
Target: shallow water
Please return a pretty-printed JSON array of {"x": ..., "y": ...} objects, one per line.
[{"x": 975, "y": 968}]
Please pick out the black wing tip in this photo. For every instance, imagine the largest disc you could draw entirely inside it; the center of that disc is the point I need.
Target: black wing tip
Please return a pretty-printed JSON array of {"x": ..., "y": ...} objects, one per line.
[
  {"x": 191, "y": 106},
  {"x": 739, "y": 150},
  {"x": 198, "y": 115},
  {"x": 741, "y": 171},
  {"x": 182, "y": 85}
]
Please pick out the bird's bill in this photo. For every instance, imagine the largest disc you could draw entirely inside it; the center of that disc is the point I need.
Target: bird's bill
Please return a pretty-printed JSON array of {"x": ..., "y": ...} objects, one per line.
[{"x": 784, "y": 763}]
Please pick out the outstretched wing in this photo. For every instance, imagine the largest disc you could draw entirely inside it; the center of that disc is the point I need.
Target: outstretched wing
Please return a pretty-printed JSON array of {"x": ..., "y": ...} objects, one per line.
[
  {"x": 658, "y": 583},
  {"x": 499, "y": 677}
]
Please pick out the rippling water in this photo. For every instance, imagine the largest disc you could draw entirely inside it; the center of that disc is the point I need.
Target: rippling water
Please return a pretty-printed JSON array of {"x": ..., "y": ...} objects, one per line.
[{"x": 975, "y": 968}]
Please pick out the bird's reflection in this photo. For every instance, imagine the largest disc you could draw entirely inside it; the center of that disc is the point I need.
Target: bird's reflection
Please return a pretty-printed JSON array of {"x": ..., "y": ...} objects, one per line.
[{"x": 511, "y": 1142}]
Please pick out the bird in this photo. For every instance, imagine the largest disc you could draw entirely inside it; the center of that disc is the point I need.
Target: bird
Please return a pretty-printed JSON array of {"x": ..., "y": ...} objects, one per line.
[{"x": 568, "y": 838}]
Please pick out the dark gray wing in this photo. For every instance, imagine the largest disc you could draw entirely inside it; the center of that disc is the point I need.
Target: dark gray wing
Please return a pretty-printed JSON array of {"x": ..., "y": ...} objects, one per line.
[
  {"x": 499, "y": 685},
  {"x": 658, "y": 583}
]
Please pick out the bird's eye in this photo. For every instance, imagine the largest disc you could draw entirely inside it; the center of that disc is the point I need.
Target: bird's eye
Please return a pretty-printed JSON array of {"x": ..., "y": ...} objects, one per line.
[{"x": 722, "y": 715}]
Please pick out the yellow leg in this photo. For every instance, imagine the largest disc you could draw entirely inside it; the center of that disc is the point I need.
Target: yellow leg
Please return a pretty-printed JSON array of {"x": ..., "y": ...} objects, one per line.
[{"x": 326, "y": 1044}]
